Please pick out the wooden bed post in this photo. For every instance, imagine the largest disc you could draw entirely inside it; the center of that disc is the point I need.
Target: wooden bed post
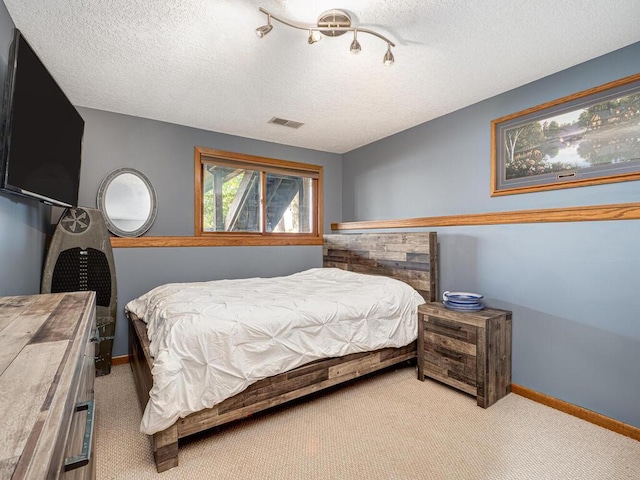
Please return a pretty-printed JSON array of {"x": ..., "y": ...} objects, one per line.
[{"x": 165, "y": 448}]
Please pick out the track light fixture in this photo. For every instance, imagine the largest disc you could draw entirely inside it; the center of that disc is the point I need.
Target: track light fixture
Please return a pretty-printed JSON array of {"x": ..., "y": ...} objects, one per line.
[{"x": 331, "y": 23}]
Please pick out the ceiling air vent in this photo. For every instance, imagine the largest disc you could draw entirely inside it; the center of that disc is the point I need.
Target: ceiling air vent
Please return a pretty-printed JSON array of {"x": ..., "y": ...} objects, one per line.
[{"x": 285, "y": 123}]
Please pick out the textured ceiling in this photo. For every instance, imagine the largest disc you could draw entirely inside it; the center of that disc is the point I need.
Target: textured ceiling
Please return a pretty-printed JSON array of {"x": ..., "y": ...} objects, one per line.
[{"x": 199, "y": 63}]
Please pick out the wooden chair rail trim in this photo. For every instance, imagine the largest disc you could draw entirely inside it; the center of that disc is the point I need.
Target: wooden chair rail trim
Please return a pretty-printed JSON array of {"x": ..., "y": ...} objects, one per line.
[
  {"x": 580, "y": 412},
  {"x": 222, "y": 241},
  {"x": 591, "y": 213}
]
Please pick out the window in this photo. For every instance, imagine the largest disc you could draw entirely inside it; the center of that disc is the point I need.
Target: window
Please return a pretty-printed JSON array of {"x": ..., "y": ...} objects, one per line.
[{"x": 247, "y": 196}]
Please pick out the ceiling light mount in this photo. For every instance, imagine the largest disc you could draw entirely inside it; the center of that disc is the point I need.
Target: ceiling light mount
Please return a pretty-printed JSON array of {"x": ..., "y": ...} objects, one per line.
[
  {"x": 335, "y": 21},
  {"x": 331, "y": 23}
]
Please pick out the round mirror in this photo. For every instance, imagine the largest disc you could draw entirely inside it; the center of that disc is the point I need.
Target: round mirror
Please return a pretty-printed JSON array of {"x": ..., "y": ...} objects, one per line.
[{"x": 127, "y": 200}]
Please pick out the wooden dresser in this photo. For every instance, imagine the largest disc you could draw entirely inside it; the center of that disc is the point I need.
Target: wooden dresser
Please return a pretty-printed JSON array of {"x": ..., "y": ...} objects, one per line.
[
  {"x": 470, "y": 351},
  {"x": 46, "y": 386}
]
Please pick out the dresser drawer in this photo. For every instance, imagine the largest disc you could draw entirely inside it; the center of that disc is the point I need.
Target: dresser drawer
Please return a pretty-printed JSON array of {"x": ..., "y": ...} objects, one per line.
[{"x": 83, "y": 421}]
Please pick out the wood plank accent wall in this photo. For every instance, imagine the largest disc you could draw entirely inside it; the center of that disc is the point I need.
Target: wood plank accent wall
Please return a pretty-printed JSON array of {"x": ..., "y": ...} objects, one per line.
[
  {"x": 409, "y": 257},
  {"x": 592, "y": 213}
]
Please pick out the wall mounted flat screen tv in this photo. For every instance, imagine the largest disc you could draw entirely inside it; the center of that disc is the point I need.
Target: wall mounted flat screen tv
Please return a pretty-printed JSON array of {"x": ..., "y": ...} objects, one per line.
[{"x": 41, "y": 132}]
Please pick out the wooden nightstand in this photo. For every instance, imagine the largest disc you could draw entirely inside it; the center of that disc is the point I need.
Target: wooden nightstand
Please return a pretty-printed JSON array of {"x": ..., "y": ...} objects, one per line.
[{"x": 470, "y": 351}]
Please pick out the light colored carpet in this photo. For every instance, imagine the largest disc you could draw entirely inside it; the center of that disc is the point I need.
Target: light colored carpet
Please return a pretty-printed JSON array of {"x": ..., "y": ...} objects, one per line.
[{"x": 390, "y": 426}]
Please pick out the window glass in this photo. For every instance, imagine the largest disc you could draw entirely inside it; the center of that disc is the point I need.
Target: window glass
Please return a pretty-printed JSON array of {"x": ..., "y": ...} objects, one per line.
[
  {"x": 231, "y": 199},
  {"x": 289, "y": 204}
]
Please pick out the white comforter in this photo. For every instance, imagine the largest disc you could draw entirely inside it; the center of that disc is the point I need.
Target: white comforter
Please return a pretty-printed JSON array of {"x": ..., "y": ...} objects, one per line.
[{"x": 211, "y": 340}]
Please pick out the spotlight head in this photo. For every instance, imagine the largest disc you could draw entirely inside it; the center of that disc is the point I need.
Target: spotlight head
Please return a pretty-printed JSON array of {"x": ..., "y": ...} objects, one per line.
[
  {"x": 355, "y": 45},
  {"x": 263, "y": 30},
  {"x": 388, "y": 57},
  {"x": 314, "y": 37}
]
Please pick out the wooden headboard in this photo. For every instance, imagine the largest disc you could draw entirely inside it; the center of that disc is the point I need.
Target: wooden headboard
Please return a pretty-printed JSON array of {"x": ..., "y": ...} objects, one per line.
[{"x": 410, "y": 257}]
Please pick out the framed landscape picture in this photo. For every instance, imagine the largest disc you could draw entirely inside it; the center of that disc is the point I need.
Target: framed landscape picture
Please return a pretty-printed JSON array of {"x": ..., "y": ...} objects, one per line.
[{"x": 588, "y": 138}]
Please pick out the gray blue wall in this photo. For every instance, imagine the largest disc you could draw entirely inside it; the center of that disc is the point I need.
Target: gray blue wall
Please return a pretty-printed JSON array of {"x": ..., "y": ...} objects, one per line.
[
  {"x": 165, "y": 154},
  {"x": 572, "y": 287},
  {"x": 23, "y": 222}
]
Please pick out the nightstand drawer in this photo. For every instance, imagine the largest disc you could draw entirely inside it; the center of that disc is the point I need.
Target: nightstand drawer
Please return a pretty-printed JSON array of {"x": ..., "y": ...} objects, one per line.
[
  {"x": 448, "y": 328},
  {"x": 451, "y": 361}
]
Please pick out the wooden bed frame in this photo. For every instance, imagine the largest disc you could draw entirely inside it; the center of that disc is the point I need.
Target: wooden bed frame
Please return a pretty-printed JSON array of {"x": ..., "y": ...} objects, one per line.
[{"x": 410, "y": 257}]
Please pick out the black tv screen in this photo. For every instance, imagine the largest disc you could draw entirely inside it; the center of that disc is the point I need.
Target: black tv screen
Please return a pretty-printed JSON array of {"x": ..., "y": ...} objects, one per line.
[{"x": 42, "y": 131}]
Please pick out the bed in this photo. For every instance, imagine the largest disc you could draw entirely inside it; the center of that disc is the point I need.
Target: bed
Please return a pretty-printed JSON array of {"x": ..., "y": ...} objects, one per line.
[{"x": 408, "y": 257}]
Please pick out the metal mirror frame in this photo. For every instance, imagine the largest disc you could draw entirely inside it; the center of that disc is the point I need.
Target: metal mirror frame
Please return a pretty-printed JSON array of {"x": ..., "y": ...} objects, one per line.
[{"x": 102, "y": 193}]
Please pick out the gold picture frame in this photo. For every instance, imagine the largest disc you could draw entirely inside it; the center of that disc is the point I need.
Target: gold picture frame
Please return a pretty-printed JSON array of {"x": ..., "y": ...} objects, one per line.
[{"x": 587, "y": 138}]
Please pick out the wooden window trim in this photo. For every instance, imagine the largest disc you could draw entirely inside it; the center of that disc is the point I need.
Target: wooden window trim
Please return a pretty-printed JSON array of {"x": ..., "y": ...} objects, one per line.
[
  {"x": 216, "y": 241},
  {"x": 271, "y": 165}
]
